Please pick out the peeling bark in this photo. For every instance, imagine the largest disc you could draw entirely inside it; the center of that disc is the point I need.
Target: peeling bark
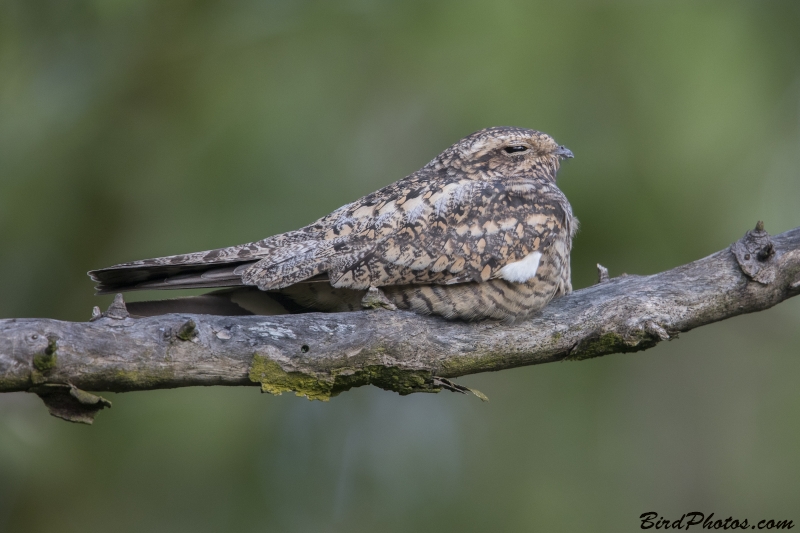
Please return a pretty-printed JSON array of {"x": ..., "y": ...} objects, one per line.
[{"x": 320, "y": 355}]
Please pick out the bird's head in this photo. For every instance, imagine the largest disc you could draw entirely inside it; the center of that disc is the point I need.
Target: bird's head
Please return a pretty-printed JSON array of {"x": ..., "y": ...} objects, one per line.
[{"x": 506, "y": 151}]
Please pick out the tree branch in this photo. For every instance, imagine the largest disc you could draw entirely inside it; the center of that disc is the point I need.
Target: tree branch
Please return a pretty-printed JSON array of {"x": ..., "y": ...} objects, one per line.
[{"x": 320, "y": 355}]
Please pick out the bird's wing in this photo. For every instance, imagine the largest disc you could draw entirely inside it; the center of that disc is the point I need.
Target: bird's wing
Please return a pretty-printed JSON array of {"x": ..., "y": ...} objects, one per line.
[
  {"x": 419, "y": 230},
  {"x": 221, "y": 267},
  {"x": 422, "y": 229}
]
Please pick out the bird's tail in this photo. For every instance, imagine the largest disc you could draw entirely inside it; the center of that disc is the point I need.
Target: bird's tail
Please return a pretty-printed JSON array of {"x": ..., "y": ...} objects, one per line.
[
  {"x": 227, "y": 302},
  {"x": 273, "y": 263},
  {"x": 302, "y": 297},
  {"x": 213, "y": 268}
]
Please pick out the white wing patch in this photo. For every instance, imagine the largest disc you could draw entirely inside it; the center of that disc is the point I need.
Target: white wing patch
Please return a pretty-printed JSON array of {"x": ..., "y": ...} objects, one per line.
[{"x": 522, "y": 270}]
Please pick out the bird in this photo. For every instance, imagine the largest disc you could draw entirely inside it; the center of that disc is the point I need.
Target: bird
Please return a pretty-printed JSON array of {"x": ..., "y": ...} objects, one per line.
[{"x": 482, "y": 232}]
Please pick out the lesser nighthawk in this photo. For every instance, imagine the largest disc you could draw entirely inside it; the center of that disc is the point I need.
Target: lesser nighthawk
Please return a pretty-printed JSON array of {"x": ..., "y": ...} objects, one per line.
[{"x": 482, "y": 231}]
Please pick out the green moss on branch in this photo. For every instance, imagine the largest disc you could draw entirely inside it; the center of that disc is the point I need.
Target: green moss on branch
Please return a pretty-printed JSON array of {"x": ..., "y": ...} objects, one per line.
[{"x": 275, "y": 380}]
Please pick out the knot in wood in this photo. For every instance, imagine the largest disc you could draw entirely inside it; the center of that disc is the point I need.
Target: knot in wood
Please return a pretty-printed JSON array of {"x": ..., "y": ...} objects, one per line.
[
  {"x": 755, "y": 253},
  {"x": 117, "y": 310}
]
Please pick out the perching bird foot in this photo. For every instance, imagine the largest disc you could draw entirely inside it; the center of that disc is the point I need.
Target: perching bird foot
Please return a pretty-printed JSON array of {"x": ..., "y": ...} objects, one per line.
[{"x": 375, "y": 299}]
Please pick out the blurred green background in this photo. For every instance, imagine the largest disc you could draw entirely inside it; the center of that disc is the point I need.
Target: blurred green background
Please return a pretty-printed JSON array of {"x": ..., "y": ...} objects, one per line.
[{"x": 133, "y": 129}]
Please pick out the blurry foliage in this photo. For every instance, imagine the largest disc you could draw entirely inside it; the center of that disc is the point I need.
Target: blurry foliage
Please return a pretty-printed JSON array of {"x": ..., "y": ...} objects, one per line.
[{"x": 133, "y": 129}]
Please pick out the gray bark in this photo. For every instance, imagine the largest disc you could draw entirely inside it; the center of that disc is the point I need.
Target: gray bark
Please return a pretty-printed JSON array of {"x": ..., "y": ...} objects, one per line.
[{"x": 320, "y": 355}]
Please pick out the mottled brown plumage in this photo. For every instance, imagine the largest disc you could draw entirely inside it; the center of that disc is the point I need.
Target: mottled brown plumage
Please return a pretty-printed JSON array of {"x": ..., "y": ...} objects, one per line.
[{"x": 482, "y": 231}]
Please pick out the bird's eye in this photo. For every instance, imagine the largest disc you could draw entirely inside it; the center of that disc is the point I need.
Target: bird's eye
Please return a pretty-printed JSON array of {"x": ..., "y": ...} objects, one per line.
[{"x": 515, "y": 149}]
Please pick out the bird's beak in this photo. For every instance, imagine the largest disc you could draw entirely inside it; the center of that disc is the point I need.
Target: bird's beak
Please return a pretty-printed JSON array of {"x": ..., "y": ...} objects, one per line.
[{"x": 563, "y": 153}]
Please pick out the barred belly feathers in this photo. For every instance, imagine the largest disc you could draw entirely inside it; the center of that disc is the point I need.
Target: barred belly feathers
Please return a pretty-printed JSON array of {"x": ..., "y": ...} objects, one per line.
[{"x": 480, "y": 232}]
